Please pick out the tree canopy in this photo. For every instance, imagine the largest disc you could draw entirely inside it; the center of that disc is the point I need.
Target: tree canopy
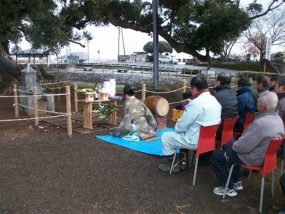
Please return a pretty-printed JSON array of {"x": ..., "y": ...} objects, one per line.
[
  {"x": 162, "y": 47},
  {"x": 187, "y": 25},
  {"x": 279, "y": 57},
  {"x": 41, "y": 22}
]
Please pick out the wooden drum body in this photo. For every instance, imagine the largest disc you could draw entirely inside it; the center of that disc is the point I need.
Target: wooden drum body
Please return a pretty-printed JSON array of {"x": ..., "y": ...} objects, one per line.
[{"x": 159, "y": 107}]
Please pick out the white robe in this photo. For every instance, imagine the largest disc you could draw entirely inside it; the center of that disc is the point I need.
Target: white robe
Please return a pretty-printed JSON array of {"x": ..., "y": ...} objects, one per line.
[{"x": 204, "y": 110}]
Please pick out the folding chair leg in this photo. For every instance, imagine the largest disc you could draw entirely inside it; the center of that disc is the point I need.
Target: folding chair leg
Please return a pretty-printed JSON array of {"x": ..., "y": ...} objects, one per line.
[
  {"x": 228, "y": 180},
  {"x": 195, "y": 171},
  {"x": 282, "y": 167},
  {"x": 250, "y": 174},
  {"x": 172, "y": 164},
  {"x": 190, "y": 158},
  {"x": 261, "y": 195},
  {"x": 272, "y": 184}
]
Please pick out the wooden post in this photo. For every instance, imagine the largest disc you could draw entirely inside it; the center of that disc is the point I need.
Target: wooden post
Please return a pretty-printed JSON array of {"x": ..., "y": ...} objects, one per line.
[
  {"x": 16, "y": 101},
  {"x": 35, "y": 106},
  {"x": 75, "y": 98},
  {"x": 87, "y": 115},
  {"x": 184, "y": 86},
  {"x": 112, "y": 119},
  {"x": 143, "y": 91},
  {"x": 264, "y": 67},
  {"x": 68, "y": 111}
]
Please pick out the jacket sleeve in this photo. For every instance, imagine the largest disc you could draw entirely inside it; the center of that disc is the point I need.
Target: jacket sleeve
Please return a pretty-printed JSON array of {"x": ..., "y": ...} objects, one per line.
[
  {"x": 242, "y": 101},
  {"x": 150, "y": 118},
  {"x": 250, "y": 139},
  {"x": 126, "y": 119},
  {"x": 189, "y": 116},
  {"x": 281, "y": 111}
]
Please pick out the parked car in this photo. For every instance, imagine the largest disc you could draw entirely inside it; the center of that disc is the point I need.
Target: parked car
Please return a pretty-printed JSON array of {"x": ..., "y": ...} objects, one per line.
[
  {"x": 163, "y": 59},
  {"x": 87, "y": 68}
]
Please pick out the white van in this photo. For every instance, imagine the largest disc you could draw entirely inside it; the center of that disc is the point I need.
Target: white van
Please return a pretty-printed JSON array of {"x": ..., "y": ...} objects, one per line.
[{"x": 163, "y": 59}]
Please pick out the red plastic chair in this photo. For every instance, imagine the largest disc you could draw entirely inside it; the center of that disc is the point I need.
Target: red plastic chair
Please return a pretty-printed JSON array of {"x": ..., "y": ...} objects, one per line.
[
  {"x": 247, "y": 120},
  {"x": 269, "y": 164},
  {"x": 206, "y": 143},
  {"x": 227, "y": 131}
]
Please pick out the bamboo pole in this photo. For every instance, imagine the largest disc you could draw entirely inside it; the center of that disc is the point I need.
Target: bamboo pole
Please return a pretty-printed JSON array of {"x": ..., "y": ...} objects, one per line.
[
  {"x": 264, "y": 67},
  {"x": 68, "y": 111},
  {"x": 16, "y": 101},
  {"x": 143, "y": 91},
  {"x": 75, "y": 98},
  {"x": 184, "y": 86},
  {"x": 35, "y": 106}
]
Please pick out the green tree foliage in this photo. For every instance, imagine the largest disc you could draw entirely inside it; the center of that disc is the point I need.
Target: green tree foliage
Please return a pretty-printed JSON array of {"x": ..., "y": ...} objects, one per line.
[
  {"x": 279, "y": 57},
  {"x": 162, "y": 47},
  {"x": 187, "y": 25},
  {"x": 41, "y": 22}
]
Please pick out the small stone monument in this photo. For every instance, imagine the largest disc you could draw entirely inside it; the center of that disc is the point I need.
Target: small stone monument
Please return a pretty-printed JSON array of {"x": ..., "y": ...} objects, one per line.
[
  {"x": 28, "y": 77},
  {"x": 28, "y": 82}
]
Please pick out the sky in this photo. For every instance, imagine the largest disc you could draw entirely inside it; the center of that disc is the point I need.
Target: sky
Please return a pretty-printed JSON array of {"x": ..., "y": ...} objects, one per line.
[{"x": 104, "y": 45}]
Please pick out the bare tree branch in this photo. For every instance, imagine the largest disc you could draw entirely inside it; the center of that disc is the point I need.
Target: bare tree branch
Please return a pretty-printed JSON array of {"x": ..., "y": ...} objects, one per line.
[
  {"x": 75, "y": 42},
  {"x": 270, "y": 8}
]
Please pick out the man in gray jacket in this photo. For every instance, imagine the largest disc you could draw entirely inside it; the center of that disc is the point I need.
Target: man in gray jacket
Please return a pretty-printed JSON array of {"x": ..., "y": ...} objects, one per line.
[{"x": 251, "y": 147}]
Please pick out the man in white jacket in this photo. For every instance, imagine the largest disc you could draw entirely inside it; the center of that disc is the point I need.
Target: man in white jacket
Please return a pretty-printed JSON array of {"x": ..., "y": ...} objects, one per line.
[{"x": 203, "y": 110}]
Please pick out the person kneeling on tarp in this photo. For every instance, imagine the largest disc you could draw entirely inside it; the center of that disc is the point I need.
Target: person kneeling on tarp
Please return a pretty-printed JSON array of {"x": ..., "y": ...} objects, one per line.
[{"x": 137, "y": 121}]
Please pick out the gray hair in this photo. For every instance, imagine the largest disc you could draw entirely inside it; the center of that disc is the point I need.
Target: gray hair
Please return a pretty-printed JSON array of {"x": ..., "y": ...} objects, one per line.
[{"x": 270, "y": 99}]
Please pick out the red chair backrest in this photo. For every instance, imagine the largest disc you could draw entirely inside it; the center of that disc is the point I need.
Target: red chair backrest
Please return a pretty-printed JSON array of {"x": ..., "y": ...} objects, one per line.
[
  {"x": 207, "y": 139},
  {"x": 228, "y": 130},
  {"x": 269, "y": 163},
  {"x": 248, "y": 119}
]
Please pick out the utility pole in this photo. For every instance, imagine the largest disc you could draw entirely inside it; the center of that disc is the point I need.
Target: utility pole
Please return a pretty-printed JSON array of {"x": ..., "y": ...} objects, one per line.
[
  {"x": 87, "y": 51},
  {"x": 121, "y": 35},
  {"x": 155, "y": 45}
]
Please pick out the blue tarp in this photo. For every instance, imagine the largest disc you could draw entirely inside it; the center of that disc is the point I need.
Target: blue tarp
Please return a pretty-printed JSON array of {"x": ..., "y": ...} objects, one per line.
[{"x": 150, "y": 147}]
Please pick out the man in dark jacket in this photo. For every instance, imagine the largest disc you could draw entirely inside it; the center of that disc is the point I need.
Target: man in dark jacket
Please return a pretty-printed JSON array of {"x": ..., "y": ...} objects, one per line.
[
  {"x": 246, "y": 100},
  {"x": 262, "y": 84},
  {"x": 280, "y": 89},
  {"x": 227, "y": 98},
  {"x": 272, "y": 83},
  {"x": 251, "y": 147}
]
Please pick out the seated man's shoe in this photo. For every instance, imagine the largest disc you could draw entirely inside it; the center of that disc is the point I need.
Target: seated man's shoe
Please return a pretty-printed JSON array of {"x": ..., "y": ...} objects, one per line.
[
  {"x": 183, "y": 164},
  {"x": 238, "y": 186},
  {"x": 221, "y": 190},
  {"x": 165, "y": 167}
]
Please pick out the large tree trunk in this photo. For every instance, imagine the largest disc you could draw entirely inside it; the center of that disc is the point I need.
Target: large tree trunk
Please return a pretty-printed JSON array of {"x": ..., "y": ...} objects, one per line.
[
  {"x": 262, "y": 57},
  {"x": 4, "y": 49},
  {"x": 209, "y": 60}
]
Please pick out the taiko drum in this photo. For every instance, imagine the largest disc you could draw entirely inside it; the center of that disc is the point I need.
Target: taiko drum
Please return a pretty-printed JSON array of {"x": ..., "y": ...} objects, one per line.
[{"x": 157, "y": 105}]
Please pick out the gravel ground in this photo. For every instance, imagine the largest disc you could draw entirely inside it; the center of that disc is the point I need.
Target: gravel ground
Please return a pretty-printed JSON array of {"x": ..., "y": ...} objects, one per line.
[
  {"x": 43, "y": 171},
  {"x": 131, "y": 77}
]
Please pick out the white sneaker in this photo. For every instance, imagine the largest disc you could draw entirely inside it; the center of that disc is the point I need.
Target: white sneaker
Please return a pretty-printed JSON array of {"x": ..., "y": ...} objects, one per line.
[
  {"x": 229, "y": 192},
  {"x": 238, "y": 186}
]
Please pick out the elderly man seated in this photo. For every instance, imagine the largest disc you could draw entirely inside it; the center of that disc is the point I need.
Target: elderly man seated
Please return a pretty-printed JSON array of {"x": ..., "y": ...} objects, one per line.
[
  {"x": 203, "y": 110},
  {"x": 251, "y": 147}
]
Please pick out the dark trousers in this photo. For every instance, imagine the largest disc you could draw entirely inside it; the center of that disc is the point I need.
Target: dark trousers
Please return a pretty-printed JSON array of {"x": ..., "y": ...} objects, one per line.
[{"x": 222, "y": 162}]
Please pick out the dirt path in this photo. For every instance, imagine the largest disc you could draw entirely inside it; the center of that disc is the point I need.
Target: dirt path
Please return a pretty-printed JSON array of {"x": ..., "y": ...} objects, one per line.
[{"x": 45, "y": 171}]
